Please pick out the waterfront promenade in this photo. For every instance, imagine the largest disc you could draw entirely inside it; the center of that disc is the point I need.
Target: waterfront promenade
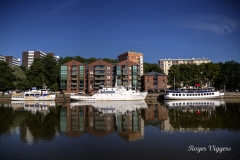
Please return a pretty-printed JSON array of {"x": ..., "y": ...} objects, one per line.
[{"x": 150, "y": 97}]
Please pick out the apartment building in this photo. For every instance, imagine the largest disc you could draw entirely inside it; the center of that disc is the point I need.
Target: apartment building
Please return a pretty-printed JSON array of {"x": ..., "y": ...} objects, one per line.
[
  {"x": 29, "y": 56},
  {"x": 72, "y": 77},
  {"x": 2, "y": 58},
  {"x": 10, "y": 60},
  {"x": 165, "y": 64},
  {"x": 153, "y": 81},
  {"x": 99, "y": 73},
  {"x": 127, "y": 73},
  {"x": 134, "y": 57},
  {"x": 76, "y": 76}
]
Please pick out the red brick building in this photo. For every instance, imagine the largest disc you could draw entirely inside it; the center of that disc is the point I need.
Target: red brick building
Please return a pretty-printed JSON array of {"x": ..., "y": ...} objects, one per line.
[{"x": 153, "y": 81}]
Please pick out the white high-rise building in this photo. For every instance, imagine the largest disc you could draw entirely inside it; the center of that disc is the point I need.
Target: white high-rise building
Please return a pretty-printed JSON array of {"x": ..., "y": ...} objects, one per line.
[
  {"x": 29, "y": 56},
  {"x": 165, "y": 64}
]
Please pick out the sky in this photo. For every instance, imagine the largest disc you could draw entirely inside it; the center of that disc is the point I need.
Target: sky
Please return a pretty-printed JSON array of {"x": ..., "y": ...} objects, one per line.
[{"x": 106, "y": 28}]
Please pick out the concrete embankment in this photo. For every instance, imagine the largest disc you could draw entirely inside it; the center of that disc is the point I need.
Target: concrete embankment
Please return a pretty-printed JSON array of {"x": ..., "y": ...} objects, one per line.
[{"x": 150, "y": 97}]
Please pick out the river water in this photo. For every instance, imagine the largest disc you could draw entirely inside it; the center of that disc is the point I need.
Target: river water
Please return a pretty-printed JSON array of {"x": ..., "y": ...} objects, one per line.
[{"x": 206, "y": 129}]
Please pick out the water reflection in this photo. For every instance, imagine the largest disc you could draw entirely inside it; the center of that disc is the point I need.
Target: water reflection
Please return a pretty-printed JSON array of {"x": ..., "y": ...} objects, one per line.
[
  {"x": 200, "y": 115},
  {"x": 102, "y": 118},
  {"x": 35, "y": 122}
]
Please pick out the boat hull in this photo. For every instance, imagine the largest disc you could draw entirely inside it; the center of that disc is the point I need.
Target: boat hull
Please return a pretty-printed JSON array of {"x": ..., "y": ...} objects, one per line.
[
  {"x": 195, "y": 95},
  {"x": 50, "y": 98},
  {"x": 110, "y": 97}
]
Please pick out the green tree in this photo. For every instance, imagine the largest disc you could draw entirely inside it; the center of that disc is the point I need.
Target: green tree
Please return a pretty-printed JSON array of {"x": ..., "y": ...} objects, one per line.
[
  {"x": 23, "y": 69},
  {"x": 6, "y": 77},
  {"x": 110, "y": 60},
  {"x": 19, "y": 75},
  {"x": 149, "y": 67},
  {"x": 35, "y": 75},
  {"x": 174, "y": 76},
  {"x": 229, "y": 76},
  {"x": 51, "y": 72}
]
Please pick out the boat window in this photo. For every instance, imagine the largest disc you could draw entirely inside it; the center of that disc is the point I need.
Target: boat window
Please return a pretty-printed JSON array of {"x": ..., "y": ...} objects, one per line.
[
  {"x": 201, "y": 94},
  {"x": 183, "y": 94},
  {"x": 204, "y": 93},
  {"x": 179, "y": 94},
  {"x": 176, "y": 94},
  {"x": 187, "y": 94},
  {"x": 173, "y": 94}
]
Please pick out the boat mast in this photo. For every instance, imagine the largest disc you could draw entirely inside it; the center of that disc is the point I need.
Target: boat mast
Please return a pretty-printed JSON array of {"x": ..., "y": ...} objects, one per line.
[{"x": 116, "y": 82}]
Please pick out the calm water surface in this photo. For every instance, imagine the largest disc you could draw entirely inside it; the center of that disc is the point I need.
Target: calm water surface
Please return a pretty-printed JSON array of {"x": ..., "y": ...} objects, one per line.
[{"x": 208, "y": 129}]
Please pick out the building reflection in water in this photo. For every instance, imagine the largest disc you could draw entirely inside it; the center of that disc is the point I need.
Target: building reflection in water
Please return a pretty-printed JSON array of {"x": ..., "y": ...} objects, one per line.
[
  {"x": 102, "y": 118},
  {"x": 35, "y": 121}
]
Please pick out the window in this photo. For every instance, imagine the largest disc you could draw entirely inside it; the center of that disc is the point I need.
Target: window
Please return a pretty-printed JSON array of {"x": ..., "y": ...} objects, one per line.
[
  {"x": 91, "y": 72},
  {"x": 108, "y": 77},
  {"x": 108, "y": 68}
]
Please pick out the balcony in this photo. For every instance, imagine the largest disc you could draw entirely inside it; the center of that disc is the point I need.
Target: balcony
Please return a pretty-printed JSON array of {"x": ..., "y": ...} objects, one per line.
[
  {"x": 75, "y": 78},
  {"x": 98, "y": 83},
  {"x": 74, "y": 83},
  {"x": 99, "y": 78},
  {"x": 99, "y": 68},
  {"x": 99, "y": 73},
  {"x": 74, "y": 73},
  {"x": 125, "y": 78},
  {"x": 125, "y": 73}
]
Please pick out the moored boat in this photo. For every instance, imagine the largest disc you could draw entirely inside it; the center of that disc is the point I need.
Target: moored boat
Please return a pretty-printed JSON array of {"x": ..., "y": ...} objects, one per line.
[
  {"x": 33, "y": 95},
  {"x": 193, "y": 93},
  {"x": 118, "y": 93}
]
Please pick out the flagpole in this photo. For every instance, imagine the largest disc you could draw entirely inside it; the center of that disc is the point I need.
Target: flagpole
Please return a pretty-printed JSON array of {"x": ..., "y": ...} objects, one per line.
[{"x": 174, "y": 82}]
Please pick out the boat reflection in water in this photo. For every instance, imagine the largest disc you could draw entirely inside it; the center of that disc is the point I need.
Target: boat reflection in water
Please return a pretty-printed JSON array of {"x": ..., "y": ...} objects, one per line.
[
  {"x": 33, "y": 106},
  {"x": 103, "y": 117},
  {"x": 191, "y": 115}
]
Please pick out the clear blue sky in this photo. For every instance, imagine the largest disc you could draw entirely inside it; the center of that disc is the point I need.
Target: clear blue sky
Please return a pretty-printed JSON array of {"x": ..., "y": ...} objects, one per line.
[{"x": 106, "y": 28}]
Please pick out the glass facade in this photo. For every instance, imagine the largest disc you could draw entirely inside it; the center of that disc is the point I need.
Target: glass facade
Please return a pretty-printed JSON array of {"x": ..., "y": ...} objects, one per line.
[
  {"x": 81, "y": 77},
  {"x": 134, "y": 76},
  {"x": 63, "y": 77}
]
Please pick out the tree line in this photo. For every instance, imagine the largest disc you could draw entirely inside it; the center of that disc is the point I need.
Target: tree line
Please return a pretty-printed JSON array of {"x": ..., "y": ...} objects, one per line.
[
  {"x": 46, "y": 72},
  {"x": 219, "y": 75}
]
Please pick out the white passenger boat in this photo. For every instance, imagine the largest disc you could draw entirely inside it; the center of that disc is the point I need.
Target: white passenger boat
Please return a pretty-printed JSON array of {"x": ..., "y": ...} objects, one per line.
[
  {"x": 33, "y": 95},
  {"x": 112, "y": 106},
  {"x": 201, "y": 103},
  {"x": 193, "y": 93},
  {"x": 118, "y": 93}
]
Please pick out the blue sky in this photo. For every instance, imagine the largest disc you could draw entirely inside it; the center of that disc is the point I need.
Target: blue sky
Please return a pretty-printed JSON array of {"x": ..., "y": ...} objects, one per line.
[{"x": 106, "y": 28}]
